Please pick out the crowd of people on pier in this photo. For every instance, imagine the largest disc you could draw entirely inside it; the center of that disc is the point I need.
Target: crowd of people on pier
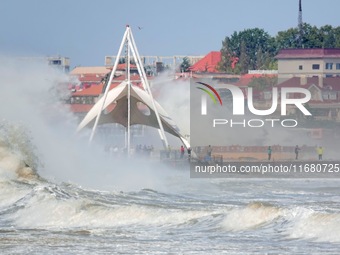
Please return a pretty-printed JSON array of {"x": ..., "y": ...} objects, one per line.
[{"x": 208, "y": 153}]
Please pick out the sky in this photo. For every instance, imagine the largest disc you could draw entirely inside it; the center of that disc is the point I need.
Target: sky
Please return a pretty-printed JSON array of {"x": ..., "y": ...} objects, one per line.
[{"x": 86, "y": 31}]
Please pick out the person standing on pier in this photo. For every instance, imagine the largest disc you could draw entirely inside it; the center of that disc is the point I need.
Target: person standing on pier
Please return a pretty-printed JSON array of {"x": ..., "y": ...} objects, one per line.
[
  {"x": 319, "y": 150},
  {"x": 189, "y": 153},
  {"x": 269, "y": 152},
  {"x": 182, "y": 151},
  {"x": 297, "y": 149}
]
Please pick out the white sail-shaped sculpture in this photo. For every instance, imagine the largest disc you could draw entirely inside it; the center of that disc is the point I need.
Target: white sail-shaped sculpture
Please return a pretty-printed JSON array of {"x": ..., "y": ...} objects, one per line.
[
  {"x": 124, "y": 100},
  {"x": 117, "y": 97}
]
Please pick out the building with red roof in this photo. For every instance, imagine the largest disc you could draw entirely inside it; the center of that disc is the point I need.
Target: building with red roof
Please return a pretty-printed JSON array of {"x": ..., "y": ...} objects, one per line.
[
  {"x": 308, "y": 62},
  {"x": 208, "y": 63},
  {"x": 246, "y": 79},
  {"x": 323, "y": 90},
  {"x": 325, "y": 95},
  {"x": 314, "y": 53},
  {"x": 90, "y": 87}
]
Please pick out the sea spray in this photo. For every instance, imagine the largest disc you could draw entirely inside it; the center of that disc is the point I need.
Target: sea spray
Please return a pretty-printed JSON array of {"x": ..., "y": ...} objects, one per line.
[{"x": 17, "y": 140}]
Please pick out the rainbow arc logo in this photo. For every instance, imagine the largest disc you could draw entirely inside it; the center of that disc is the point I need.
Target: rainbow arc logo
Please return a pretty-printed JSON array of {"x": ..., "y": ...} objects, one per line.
[{"x": 213, "y": 95}]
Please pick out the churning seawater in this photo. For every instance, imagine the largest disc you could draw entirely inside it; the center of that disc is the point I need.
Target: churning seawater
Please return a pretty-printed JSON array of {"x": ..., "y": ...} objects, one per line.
[
  {"x": 185, "y": 216},
  {"x": 59, "y": 197}
]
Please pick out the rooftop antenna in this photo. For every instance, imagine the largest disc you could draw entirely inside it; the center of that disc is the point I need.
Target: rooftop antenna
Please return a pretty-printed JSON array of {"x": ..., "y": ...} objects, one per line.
[{"x": 300, "y": 25}]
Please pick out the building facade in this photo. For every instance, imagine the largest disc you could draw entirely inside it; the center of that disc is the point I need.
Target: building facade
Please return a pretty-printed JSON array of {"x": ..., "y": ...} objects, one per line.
[{"x": 308, "y": 63}]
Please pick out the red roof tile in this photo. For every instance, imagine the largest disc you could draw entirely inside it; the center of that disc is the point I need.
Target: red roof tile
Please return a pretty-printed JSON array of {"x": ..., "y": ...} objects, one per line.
[
  {"x": 208, "y": 63},
  {"x": 89, "y": 70},
  {"x": 95, "y": 90},
  {"x": 91, "y": 91},
  {"x": 332, "y": 83},
  {"x": 296, "y": 82},
  {"x": 123, "y": 66},
  {"x": 90, "y": 77},
  {"x": 308, "y": 53},
  {"x": 247, "y": 78},
  {"x": 123, "y": 77}
]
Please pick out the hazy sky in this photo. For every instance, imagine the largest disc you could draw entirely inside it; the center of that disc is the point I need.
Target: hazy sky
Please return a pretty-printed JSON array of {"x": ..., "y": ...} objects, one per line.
[{"x": 86, "y": 31}]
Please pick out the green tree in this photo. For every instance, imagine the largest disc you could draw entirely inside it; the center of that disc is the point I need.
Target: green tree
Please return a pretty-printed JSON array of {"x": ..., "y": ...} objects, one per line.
[
  {"x": 227, "y": 57},
  {"x": 327, "y": 33},
  {"x": 244, "y": 60},
  {"x": 312, "y": 37},
  {"x": 287, "y": 39},
  {"x": 337, "y": 37},
  {"x": 255, "y": 49},
  {"x": 184, "y": 67},
  {"x": 246, "y": 46},
  {"x": 260, "y": 59}
]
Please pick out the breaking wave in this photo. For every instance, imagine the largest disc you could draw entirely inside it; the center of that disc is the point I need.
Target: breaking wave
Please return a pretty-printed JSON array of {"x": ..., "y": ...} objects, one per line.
[
  {"x": 304, "y": 223},
  {"x": 28, "y": 201},
  {"x": 17, "y": 153},
  {"x": 253, "y": 215}
]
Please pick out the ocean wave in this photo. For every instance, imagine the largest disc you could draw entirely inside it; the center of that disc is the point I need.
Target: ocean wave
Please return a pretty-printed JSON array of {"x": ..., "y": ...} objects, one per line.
[
  {"x": 17, "y": 154},
  {"x": 45, "y": 210},
  {"x": 306, "y": 223},
  {"x": 254, "y": 215},
  {"x": 293, "y": 223}
]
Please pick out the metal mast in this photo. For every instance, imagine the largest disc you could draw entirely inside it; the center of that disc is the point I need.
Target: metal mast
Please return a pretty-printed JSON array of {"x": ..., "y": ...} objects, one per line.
[{"x": 300, "y": 24}]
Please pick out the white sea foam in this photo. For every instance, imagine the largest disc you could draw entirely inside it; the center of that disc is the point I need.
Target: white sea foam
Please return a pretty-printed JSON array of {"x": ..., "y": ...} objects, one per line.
[
  {"x": 299, "y": 222},
  {"x": 252, "y": 216},
  {"x": 188, "y": 210},
  {"x": 44, "y": 211},
  {"x": 12, "y": 166},
  {"x": 307, "y": 223}
]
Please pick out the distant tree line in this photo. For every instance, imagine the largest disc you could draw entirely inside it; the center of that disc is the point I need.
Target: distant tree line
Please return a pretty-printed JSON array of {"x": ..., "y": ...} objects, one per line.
[{"x": 255, "y": 49}]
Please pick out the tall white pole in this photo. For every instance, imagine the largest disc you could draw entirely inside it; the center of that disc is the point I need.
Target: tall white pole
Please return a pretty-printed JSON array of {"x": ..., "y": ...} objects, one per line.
[
  {"x": 129, "y": 96},
  {"x": 147, "y": 88},
  {"x": 131, "y": 45},
  {"x": 109, "y": 84}
]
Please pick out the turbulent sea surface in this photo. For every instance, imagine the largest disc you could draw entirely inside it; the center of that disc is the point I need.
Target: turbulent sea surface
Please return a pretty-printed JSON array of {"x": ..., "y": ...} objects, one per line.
[
  {"x": 182, "y": 216},
  {"x": 59, "y": 197}
]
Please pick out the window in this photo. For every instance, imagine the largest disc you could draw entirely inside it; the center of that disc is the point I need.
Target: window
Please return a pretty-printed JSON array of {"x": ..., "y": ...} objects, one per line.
[
  {"x": 55, "y": 62},
  {"x": 315, "y": 66},
  {"x": 88, "y": 100},
  {"x": 300, "y": 67},
  {"x": 337, "y": 66},
  {"x": 329, "y": 66},
  {"x": 329, "y": 96}
]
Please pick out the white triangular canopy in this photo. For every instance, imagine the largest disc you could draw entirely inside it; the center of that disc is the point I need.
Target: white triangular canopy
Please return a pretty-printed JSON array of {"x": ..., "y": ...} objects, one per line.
[
  {"x": 125, "y": 98},
  {"x": 119, "y": 98}
]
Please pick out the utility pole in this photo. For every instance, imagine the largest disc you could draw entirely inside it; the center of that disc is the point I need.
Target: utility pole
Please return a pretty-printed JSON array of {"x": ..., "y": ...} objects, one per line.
[{"x": 300, "y": 24}]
